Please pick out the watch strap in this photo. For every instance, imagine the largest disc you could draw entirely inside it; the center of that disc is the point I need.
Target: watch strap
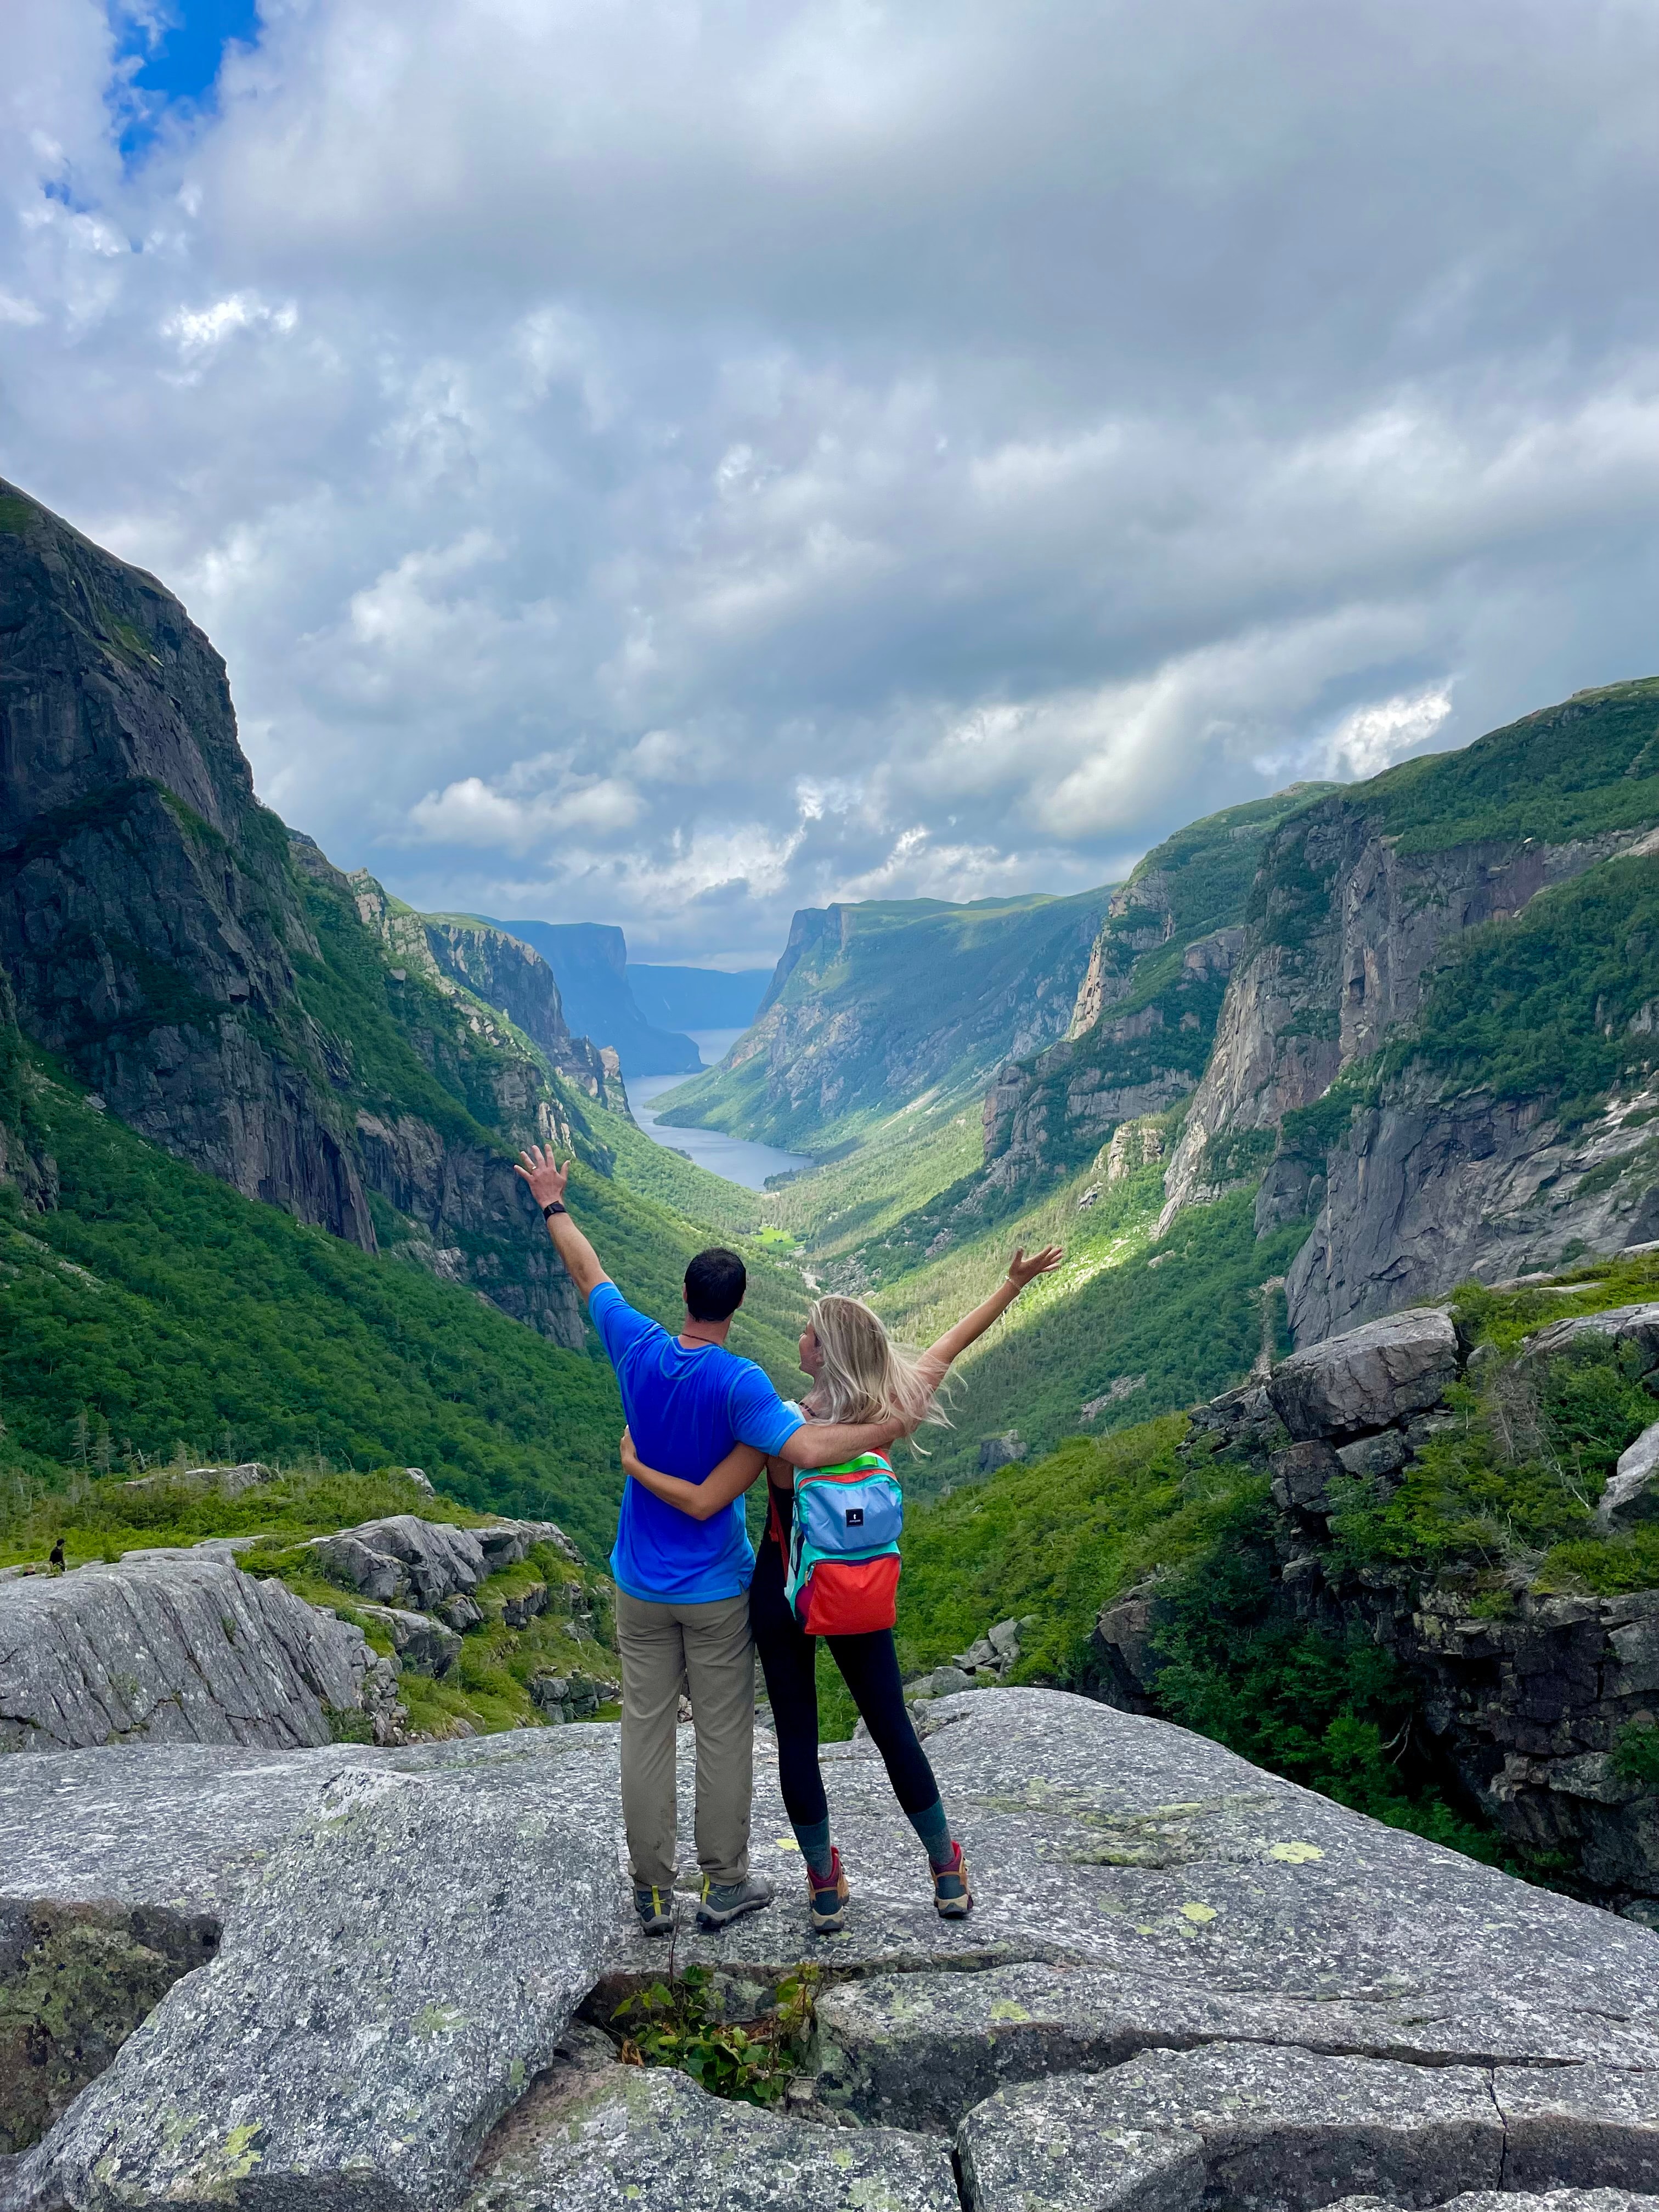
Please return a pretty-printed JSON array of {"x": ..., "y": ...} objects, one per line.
[{"x": 555, "y": 1206}]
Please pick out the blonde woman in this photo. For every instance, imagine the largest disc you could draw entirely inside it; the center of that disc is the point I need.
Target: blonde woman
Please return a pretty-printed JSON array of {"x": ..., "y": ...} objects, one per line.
[{"x": 858, "y": 1374}]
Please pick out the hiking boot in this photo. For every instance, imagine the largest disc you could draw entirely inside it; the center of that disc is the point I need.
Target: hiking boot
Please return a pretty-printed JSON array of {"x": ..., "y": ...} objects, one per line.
[
  {"x": 655, "y": 1908},
  {"x": 952, "y": 1898},
  {"x": 728, "y": 1900},
  {"x": 827, "y": 1896}
]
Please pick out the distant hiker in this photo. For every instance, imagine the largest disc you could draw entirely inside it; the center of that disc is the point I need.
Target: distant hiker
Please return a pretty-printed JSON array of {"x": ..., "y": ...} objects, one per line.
[
  {"x": 55, "y": 1557},
  {"x": 858, "y": 1373},
  {"x": 683, "y": 1585}
]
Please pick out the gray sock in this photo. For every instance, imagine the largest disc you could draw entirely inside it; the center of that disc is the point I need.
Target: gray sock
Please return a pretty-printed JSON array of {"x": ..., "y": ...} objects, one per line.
[
  {"x": 813, "y": 1836},
  {"x": 934, "y": 1829}
]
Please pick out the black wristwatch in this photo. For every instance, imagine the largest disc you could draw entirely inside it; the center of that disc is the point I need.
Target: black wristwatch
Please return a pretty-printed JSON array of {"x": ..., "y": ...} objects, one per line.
[{"x": 556, "y": 1205}]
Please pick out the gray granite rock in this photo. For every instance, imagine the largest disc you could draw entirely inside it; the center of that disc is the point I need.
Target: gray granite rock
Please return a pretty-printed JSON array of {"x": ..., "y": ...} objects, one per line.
[
  {"x": 1300, "y": 1474},
  {"x": 1096, "y": 1838},
  {"x": 406, "y": 1937},
  {"x": 175, "y": 1647},
  {"x": 1247, "y": 2127},
  {"x": 1629, "y": 1481},
  {"x": 1492, "y": 2199},
  {"x": 403, "y": 1559},
  {"x": 421, "y": 1642},
  {"x": 1182, "y": 1977},
  {"x": 597, "y": 2138},
  {"x": 1367, "y": 1378},
  {"x": 1580, "y": 2127},
  {"x": 1632, "y": 1328},
  {"x": 919, "y": 2050}
]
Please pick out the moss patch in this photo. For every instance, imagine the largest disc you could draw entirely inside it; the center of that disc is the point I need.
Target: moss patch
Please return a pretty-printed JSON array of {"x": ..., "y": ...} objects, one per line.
[{"x": 82, "y": 1982}]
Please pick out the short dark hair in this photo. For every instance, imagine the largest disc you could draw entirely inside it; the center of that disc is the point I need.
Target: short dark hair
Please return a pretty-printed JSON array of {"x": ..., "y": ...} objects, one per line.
[{"x": 715, "y": 1285}]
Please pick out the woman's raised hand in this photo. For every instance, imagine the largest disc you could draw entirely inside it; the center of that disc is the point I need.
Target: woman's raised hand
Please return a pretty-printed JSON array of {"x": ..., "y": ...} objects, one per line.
[{"x": 1022, "y": 1270}]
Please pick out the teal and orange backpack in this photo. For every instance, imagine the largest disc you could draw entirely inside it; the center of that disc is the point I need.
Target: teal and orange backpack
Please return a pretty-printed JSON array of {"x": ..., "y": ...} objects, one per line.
[{"x": 843, "y": 1547}]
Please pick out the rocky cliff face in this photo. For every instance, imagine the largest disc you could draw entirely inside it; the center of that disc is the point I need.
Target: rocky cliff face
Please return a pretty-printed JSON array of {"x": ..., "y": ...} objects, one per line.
[
  {"x": 1146, "y": 1009},
  {"x": 220, "y": 986},
  {"x": 874, "y": 1005},
  {"x": 1344, "y": 929},
  {"x": 1424, "y": 1190},
  {"x": 146, "y": 914},
  {"x": 498, "y": 975}
]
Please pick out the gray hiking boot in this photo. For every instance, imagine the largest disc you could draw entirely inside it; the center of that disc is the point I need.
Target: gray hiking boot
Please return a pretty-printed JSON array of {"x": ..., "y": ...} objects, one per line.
[
  {"x": 655, "y": 1908},
  {"x": 726, "y": 1900}
]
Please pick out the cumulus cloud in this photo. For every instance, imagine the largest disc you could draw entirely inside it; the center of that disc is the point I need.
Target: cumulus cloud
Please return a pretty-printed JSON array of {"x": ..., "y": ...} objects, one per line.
[{"x": 672, "y": 464}]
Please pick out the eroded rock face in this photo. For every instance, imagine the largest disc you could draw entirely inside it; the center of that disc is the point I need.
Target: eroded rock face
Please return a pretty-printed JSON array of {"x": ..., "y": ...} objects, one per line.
[
  {"x": 1424, "y": 1191},
  {"x": 1346, "y": 927},
  {"x": 175, "y": 1648}
]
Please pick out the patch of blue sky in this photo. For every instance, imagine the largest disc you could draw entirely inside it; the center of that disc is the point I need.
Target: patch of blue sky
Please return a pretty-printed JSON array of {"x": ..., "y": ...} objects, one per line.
[{"x": 178, "y": 47}]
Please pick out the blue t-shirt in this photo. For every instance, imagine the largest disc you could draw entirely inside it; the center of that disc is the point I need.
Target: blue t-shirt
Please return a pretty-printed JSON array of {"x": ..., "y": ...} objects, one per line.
[{"x": 686, "y": 1408}]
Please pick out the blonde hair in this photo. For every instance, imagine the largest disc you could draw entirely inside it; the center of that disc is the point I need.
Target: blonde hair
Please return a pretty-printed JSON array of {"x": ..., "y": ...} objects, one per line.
[{"x": 865, "y": 1377}]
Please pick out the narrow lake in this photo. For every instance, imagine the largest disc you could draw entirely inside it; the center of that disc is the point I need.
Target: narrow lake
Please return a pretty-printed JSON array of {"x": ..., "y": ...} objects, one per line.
[{"x": 734, "y": 1157}]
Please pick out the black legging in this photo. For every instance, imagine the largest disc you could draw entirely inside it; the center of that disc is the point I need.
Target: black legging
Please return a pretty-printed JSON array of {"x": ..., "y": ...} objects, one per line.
[{"x": 870, "y": 1668}]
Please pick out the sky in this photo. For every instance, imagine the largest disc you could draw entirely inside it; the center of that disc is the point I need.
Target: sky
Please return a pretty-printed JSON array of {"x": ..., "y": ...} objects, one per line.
[{"x": 674, "y": 462}]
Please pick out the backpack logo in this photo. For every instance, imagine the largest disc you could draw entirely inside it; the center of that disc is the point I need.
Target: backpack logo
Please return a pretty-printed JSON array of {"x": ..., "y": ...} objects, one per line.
[{"x": 855, "y": 1517}]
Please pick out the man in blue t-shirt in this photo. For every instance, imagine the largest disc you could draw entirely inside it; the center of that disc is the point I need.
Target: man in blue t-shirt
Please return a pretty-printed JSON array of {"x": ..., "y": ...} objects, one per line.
[{"x": 682, "y": 1585}]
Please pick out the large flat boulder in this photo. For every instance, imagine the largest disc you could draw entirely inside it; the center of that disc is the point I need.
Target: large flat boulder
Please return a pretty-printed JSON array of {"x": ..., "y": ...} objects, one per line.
[
  {"x": 920, "y": 2051},
  {"x": 1253, "y": 2127},
  {"x": 405, "y": 1936},
  {"x": 177, "y": 1647},
  {"x": 1368, "y": 1378}
]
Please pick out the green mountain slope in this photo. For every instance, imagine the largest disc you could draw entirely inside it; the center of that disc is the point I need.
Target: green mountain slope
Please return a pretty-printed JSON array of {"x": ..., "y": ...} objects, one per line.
[
  {"x": 875, "y": 1005},
  {"x": 153, "y": 1306}
]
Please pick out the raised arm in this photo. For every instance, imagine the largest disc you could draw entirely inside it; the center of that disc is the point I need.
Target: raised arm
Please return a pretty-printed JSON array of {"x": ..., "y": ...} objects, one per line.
[
  {"x": 955, "y": 1341},
  {"x": 547, "y": 1181},
  {"x": 701, "y": 1500}
]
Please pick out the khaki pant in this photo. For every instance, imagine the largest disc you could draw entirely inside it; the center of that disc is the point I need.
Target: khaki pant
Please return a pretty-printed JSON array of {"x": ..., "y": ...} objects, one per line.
[{"x": 711, "y": 1646}]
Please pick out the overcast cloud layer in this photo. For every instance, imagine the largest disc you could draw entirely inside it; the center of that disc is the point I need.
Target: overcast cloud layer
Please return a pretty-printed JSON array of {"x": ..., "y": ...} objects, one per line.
[{"x": 670, "y": 464}]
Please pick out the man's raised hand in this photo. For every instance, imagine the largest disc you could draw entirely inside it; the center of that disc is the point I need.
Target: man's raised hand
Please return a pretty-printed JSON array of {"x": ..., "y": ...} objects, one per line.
[
  {"x": 1022, "y": 1271},
  {"x": 546, "y": 1178}
]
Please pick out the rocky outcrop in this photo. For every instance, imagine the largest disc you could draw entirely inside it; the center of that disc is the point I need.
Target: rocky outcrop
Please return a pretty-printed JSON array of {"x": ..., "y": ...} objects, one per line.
[
  {"x": 1424, "y": 1190},
  {"x": 1199, "y": 1983},
  {"x": 177, "y": 1648},
  {"x": 1524, "y": 1700},
  {"x": 404, "y": 1557},
  {"x": 146, "y": 914},
  {"x": 389, "y": 1977},
  {"x": 602, "y": 2134}
]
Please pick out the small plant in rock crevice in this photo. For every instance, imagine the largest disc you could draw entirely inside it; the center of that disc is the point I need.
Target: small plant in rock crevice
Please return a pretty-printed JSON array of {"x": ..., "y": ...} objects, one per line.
[
  {"x": 673, "y": 2023},
  {"x": 1636, "y": 1754}
]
